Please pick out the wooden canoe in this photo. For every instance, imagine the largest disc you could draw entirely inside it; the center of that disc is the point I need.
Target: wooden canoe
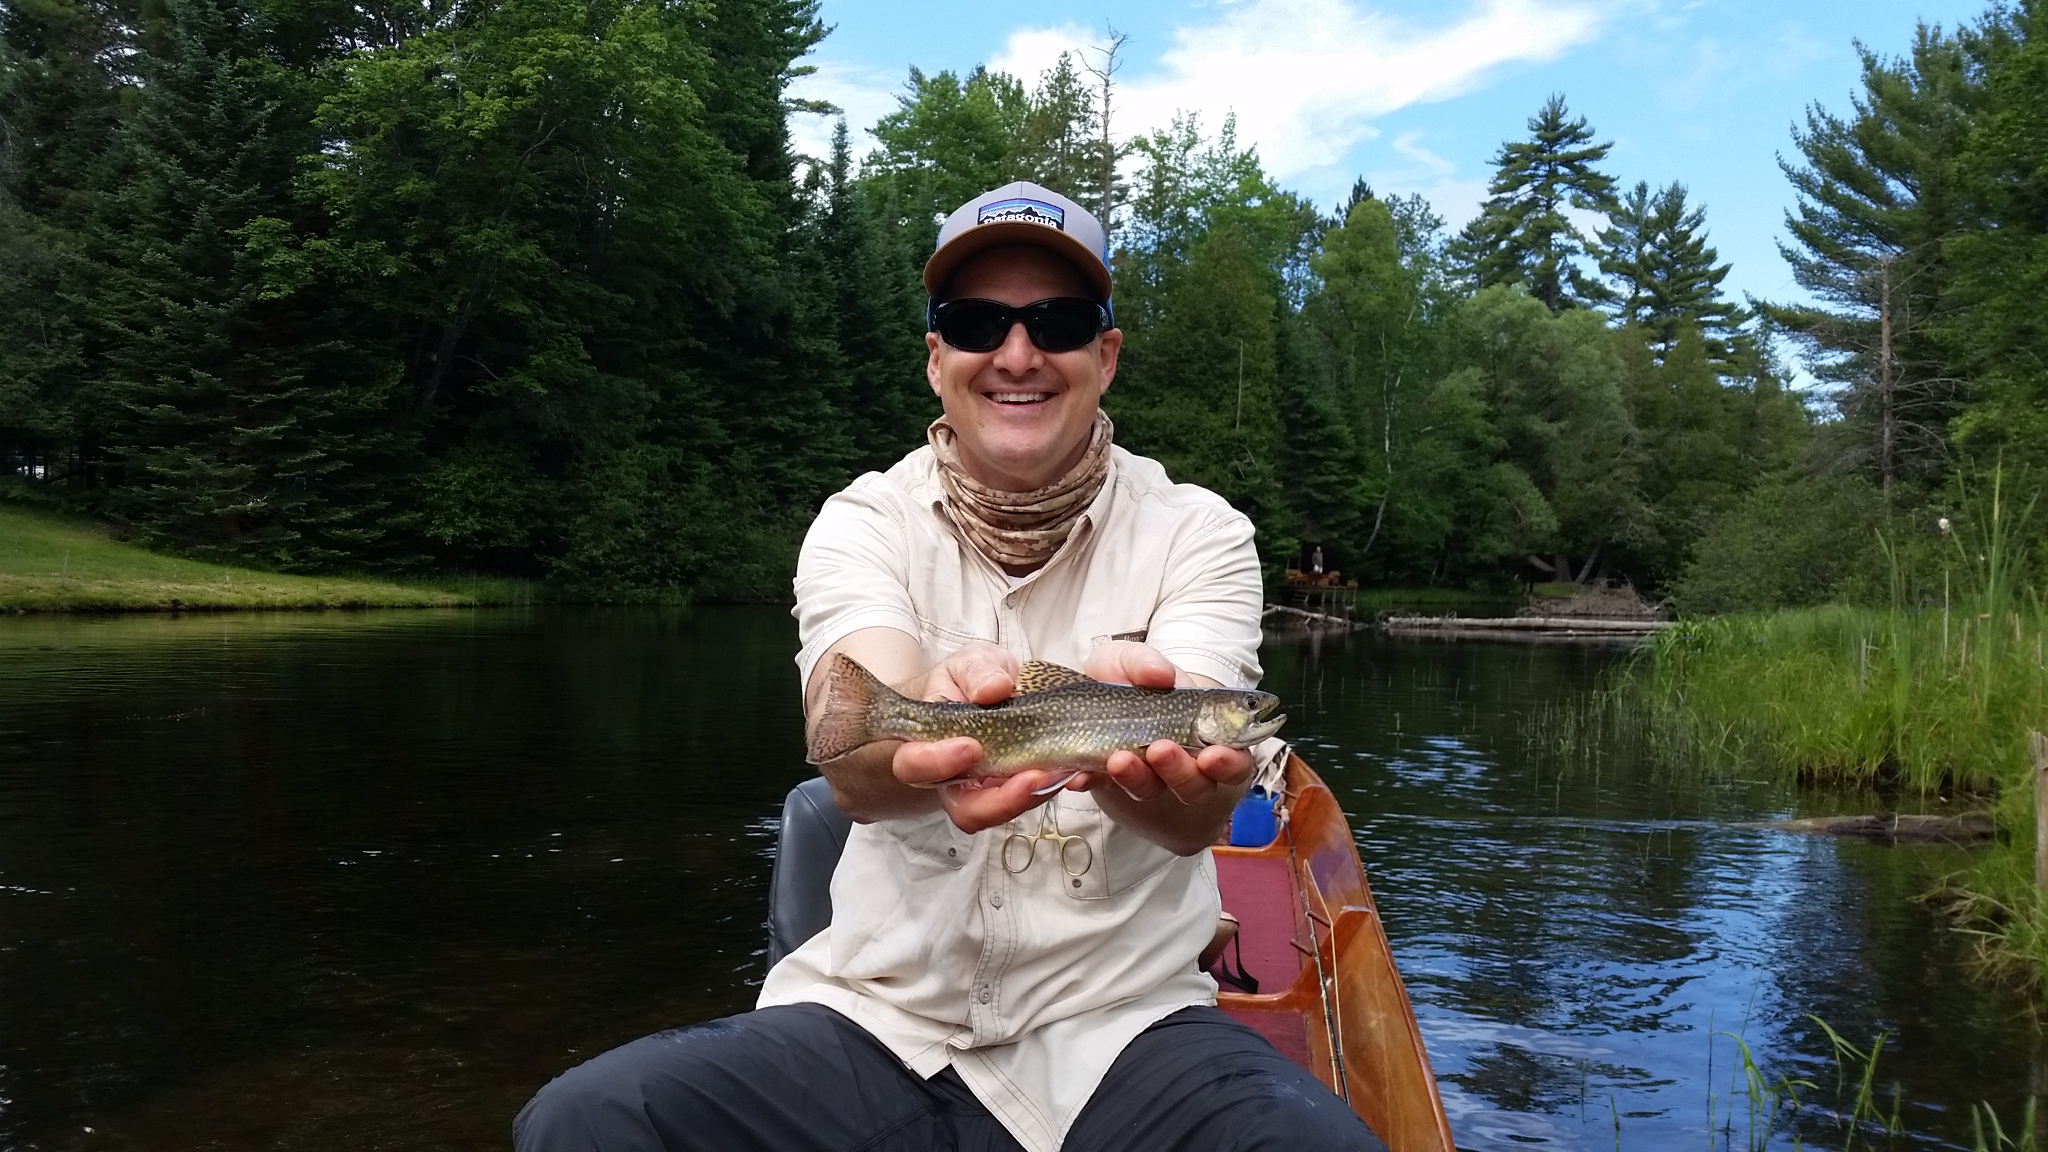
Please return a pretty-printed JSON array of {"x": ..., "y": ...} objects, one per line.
[{"x": 1329, "y": 996}]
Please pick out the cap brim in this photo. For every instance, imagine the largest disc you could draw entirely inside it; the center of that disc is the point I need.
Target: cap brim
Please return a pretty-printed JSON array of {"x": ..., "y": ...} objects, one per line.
[{"x": 939, "y": 270}]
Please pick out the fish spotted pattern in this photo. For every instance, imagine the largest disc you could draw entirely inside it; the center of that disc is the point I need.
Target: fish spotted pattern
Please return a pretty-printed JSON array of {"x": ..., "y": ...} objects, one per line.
[{"x": 1059, "y": 719}]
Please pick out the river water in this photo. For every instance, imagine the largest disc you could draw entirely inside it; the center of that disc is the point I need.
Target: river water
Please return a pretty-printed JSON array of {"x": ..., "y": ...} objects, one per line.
[{"x": 365, "y": 881}]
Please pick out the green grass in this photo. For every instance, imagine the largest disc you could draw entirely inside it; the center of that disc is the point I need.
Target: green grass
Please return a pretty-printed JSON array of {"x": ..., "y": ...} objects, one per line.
[
  {"x": 55, "y": 563},
  {"x": 1912, "y": 701}
]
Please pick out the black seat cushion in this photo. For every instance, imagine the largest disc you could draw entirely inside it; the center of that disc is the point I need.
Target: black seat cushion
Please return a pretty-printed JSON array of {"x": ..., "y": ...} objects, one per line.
[{"x": 807, "y": 850}]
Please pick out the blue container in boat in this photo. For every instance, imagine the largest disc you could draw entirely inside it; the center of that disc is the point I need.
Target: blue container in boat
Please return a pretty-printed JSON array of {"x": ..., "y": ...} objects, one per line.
[{"x": 1251, "y": 822}]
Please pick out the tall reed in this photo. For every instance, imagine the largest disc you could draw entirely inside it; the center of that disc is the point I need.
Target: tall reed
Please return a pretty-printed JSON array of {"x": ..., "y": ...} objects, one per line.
[{"x": 1922, "y": 699}]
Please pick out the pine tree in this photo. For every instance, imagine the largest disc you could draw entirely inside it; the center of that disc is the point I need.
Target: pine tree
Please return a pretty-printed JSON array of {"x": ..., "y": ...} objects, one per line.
[
  {"x": 1370, "y": 329},
  {"x": 64, "y": 69},
  {"x": 1877, "y": 201},
  {"x": 876, "y": 316},
  {"x": 1057, "y": 144},
  {"x": 1522, "y": 235},
  {"x": 1203, "y": 398},
  {"x": 1665, "y": 276},
  {"x": 225, "y": 440},
  {"x": 1995, "y": 333},
  {"x": 948, "y": 140}
]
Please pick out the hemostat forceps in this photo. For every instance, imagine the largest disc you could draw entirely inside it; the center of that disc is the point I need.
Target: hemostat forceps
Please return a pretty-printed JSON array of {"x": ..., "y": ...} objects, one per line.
[{"x": 1076, "y": 857}]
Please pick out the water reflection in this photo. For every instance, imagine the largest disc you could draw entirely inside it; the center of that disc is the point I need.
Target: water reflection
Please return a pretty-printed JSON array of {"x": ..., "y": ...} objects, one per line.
[
  {"x": 369, "y": 880},
  {"x": 1575, "y": 939},
  {"x": 334, "y": 881}
]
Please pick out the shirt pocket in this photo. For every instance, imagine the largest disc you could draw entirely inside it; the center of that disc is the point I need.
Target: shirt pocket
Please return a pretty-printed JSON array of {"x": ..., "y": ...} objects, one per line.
[
  {"x": 929, "y": 839},
  {"x": 1135, "y": 634},
  {"x": 1122, "y": 859},
  {"x": 940, "y": 641}
]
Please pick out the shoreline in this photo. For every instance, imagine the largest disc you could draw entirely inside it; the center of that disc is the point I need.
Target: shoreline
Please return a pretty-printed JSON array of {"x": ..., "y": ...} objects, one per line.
[{"x": 52, "y": 563}]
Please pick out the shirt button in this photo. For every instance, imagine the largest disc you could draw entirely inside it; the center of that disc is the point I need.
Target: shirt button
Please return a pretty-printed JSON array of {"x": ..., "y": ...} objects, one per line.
[
  {"x": 952, "y": 851},
  {"x": 996, "y": 900},
  {"x": 987, "y": 995}
]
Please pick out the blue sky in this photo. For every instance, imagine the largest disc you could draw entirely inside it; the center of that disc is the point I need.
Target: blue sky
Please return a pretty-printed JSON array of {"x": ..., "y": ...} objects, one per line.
[{"x": 1416, "y": 97}]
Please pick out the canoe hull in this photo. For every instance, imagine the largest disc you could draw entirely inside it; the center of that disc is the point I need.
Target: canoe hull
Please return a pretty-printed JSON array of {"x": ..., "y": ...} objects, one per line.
[{"x": 1329, "y": 994}]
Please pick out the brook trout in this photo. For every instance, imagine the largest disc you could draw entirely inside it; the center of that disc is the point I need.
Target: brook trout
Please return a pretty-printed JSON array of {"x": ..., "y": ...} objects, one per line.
[{"x": 1059, "y": 718}]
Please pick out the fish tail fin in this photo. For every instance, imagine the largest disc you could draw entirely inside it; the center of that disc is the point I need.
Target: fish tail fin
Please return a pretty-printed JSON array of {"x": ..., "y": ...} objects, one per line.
[{"x": 846, "y": 720}]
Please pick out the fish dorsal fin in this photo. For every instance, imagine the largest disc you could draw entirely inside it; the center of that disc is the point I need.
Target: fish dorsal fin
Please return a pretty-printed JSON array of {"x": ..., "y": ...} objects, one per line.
[{"x": 1039, "y": 676}]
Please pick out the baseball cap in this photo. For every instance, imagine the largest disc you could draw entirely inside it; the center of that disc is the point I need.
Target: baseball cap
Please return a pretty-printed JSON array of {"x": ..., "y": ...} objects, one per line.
[{"x": 1021, "y": 213}]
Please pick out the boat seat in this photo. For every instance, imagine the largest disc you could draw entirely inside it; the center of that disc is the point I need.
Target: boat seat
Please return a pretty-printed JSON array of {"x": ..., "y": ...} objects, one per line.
[{"x": 806, "y": 851}]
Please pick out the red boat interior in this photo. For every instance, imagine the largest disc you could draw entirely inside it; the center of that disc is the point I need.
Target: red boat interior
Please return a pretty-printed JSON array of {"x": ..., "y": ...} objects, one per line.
[
  {"x": 1259, "y": 891},
  {"x": 1328, "y": 994}
]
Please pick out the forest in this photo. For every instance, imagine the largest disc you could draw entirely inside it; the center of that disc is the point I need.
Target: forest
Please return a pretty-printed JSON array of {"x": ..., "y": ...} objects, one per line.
[{"x": 540, "y": 288}]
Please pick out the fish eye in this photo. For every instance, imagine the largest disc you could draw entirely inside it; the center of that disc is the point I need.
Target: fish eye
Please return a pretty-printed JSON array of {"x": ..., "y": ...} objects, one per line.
[{"x": 1251, "y": 701}]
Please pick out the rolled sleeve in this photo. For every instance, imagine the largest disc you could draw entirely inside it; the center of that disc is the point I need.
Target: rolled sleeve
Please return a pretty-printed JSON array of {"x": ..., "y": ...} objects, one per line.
[
  {"x": 851, "y": 572},
  {"x": 1207, "y": 622}
]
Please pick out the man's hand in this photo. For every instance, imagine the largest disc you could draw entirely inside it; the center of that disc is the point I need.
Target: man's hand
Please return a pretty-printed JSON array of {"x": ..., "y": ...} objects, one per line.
[
  {"x": 1194, "y": 780},
  {"x": 1176, "y": 799},
  {"x": 981, "y": 674},
  {"x": 978, "y": 673},
  {"x": 903, "y": 778}
]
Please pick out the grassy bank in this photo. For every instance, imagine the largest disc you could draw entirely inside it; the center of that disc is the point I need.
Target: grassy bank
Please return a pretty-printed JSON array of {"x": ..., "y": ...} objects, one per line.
[
  {"x": 1930, "y": 704},
  {"x": 55, "y": 563}
]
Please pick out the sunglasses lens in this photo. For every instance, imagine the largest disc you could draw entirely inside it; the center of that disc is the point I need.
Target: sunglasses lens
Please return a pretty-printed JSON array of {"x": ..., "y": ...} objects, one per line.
[
  {"x": 1058, "y": 325},
  {"x": 974, "y": 325},
  {"x": 1062, "y": 325}
]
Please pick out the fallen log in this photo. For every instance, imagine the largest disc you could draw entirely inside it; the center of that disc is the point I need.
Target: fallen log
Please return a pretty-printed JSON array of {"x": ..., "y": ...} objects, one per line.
[
  {"x": 1526, "y": 623},
  {"x": 1894, "y": 827},
  {"x": 1311, "y": 619}
]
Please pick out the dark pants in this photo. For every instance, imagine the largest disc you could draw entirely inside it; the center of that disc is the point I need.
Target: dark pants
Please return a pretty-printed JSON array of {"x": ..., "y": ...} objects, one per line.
[{"x": 803, "y": 1078}]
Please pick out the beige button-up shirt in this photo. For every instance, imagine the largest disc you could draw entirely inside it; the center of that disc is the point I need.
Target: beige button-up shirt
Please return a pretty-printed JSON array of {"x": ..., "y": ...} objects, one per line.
[{"x": 1029, "y": 984}]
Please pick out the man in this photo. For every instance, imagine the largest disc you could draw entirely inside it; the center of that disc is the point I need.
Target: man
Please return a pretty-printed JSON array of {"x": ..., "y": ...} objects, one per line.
[{"x": 968, "y": 995}]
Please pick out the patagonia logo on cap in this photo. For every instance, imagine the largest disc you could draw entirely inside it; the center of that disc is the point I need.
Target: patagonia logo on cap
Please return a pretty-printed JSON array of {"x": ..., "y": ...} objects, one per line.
[{"x": 1025, "y": 211}]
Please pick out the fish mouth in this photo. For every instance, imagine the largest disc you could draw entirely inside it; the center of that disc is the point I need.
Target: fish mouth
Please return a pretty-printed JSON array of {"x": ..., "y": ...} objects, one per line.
[
  {"x": 1260, "y": 726},
  {"x": 1254, "y": 733}
]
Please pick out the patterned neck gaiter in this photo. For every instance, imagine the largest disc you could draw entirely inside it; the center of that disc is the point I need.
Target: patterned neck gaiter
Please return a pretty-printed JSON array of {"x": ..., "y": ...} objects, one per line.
[{"x": 1020, "y": 529}]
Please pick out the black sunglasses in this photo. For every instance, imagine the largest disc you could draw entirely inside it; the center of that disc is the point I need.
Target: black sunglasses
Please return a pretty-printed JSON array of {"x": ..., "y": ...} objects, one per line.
[{"x": 1060, "y": 324}]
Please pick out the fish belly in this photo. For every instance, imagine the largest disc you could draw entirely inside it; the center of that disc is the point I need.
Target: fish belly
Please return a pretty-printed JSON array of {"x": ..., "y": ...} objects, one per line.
[{"x": 1066, "y": 747}]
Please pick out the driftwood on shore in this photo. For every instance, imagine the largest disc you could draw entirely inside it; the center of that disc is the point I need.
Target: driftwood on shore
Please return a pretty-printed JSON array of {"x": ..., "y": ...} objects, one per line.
[
  {"x": 1314, "y": 621},
  {"x": 1523, "y": 624},
  {"x": 1895, "y": 827}
]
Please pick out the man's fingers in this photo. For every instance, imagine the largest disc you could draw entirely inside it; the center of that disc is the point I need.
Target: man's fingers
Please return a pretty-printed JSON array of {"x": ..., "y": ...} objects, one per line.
[
  {"x": 980, "y": 673},
  {"x": 1129, "y": 662},
  {"x": 1178, "y": 771},
  {"x": 1134, "y": 776},
  {"x": 977, "y": 805},
  {"x": 1225, "y": 765},
  {"x": 934, "y": 762}
]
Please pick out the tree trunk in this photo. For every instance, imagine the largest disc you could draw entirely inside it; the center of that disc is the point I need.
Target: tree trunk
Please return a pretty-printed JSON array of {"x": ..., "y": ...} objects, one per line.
[{"x": 1888, "y": 406}]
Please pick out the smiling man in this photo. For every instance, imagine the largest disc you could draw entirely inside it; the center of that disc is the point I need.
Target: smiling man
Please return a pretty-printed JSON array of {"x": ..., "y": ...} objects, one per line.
[{"x": 964, "y": 997}]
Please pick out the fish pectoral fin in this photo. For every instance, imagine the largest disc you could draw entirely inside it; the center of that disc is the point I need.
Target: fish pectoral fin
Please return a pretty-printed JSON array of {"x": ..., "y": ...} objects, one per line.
[
  {"x": 1042, "y": 676},
  {"x": 1056, "y": 785}
]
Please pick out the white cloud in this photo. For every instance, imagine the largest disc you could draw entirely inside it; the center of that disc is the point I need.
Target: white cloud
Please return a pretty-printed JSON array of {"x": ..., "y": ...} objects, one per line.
[
  {"x": 1455, "y": 198},
  {"x": 1031, "y": 51},
  {"x": 863, "y": 94},
  {"x": 1307, "y": 78}
]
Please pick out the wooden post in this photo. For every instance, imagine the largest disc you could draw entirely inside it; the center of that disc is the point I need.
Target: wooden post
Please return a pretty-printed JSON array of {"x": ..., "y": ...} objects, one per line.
[{"x": 2037, "y": 745}]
